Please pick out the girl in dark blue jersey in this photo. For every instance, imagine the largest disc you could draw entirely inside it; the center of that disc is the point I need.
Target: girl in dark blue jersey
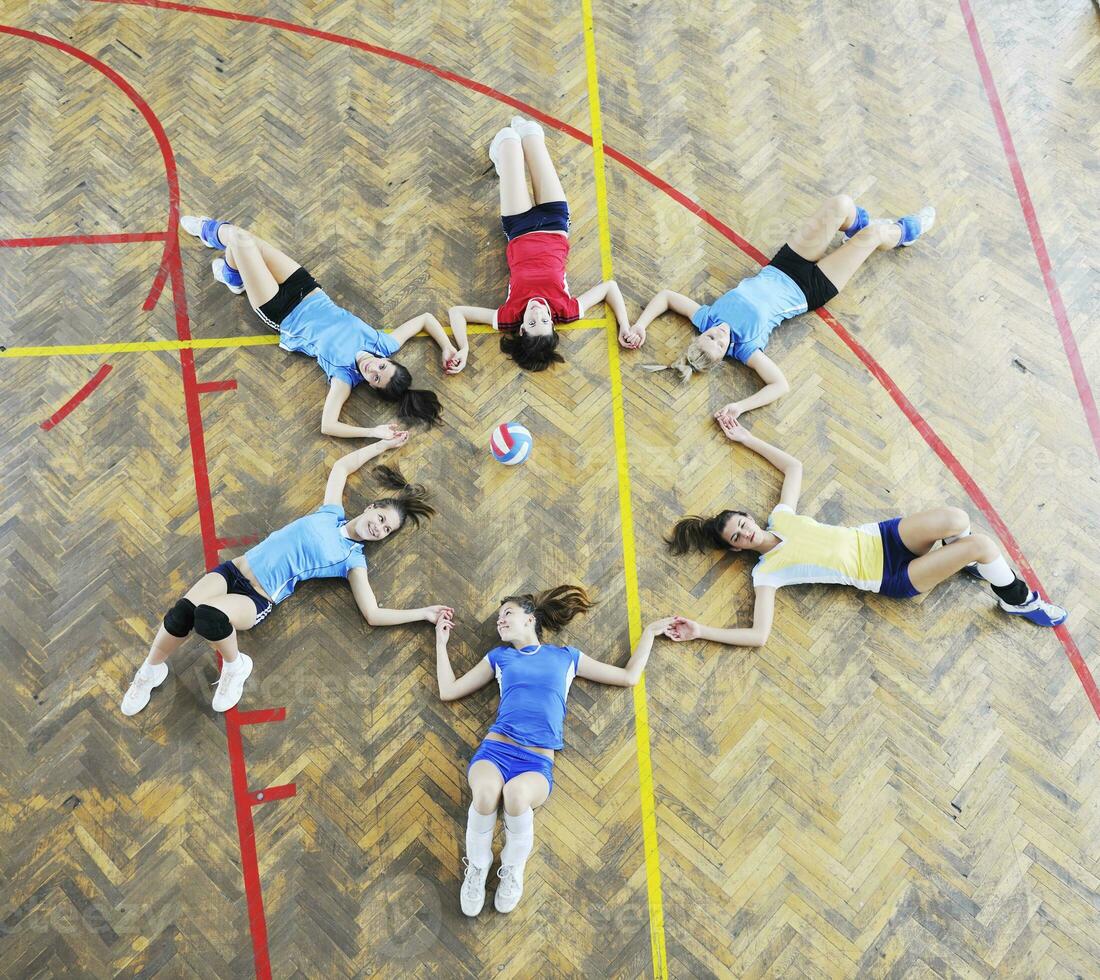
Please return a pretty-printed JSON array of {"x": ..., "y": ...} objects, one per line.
[{"x": 516, "y": 759}]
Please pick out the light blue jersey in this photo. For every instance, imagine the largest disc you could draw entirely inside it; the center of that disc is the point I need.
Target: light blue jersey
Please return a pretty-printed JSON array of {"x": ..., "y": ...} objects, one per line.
[
  {"x": 534, "y": 683},
  {"x": 332, "y": 336},
  {"x": 753, "y": 309},
  {"x": 310, "y": 547}
]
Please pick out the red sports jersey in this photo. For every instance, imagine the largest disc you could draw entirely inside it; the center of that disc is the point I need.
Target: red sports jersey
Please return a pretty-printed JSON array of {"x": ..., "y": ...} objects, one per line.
[{"x": 536, "y": 262}]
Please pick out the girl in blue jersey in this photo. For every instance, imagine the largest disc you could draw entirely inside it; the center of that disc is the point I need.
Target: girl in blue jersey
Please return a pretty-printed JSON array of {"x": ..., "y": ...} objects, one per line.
[
  {"x": 288, "y": 299},
  {"x": 516, "y": 760},
  {"x": 240, "y": 593},
  {"x": 896, "y": 558},
  {"x": 800, "y": 277}
]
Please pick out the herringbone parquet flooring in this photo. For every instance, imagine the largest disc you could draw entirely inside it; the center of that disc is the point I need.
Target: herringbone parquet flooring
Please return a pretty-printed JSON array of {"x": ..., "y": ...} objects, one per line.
[{"x": 884, "y": 790}]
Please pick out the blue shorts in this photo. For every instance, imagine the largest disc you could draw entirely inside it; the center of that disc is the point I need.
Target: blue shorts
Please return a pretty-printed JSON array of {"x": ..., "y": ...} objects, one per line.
[
  {"x": 238, "y": 585},
  {"x": 551, "y": 216},
  {"x": 895, "y": 562},
  {"x": 513, "y": 761}
]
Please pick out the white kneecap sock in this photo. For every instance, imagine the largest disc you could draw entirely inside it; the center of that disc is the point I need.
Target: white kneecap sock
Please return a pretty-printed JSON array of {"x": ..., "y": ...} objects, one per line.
[
  {"x": 480, "y": 828},
  {"x": 519, "y": 837},
  {"x": 997, "y": 572}
]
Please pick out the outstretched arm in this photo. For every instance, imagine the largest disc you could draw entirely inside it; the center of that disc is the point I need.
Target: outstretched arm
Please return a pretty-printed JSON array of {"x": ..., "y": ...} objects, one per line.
[
  {"x": 607, "y": 292},
  {"x": 775, "y": 386},
  {"x": 664, "y": 301},
  {"x": 376, "y": 615},
  {"x": 434, "y": 329},
  {"x": 331, "y": 425},
  {"x": 450, "y": 687},
  {"x": 755, "y": 636},
  {"x": 628, "y": 676},
  {"x": 346, "y": 465},
  {"x": 790, "y": 467}
]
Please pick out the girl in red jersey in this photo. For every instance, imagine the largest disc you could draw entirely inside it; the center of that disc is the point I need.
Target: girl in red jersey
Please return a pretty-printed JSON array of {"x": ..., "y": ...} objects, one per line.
[{"x": 538, "y": 246}]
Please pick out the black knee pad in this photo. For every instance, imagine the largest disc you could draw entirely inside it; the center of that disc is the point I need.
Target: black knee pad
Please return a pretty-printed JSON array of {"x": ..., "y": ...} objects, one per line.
[
  {"x": 180, "y": 619},
  {"x": 212, "y": 624}
]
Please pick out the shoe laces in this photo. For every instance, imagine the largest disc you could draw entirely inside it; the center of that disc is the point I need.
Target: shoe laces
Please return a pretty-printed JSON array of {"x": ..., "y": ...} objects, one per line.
[
  {"x": 509, "y": 878},
  {"x": 473, "y": 873}
]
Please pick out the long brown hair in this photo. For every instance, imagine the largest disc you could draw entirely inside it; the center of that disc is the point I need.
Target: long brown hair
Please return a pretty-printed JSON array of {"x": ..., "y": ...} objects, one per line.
[
  {"x": 411, "y": 500},
  {"x": 553, "y": 608},
  {"x": 694, "y": 533}
]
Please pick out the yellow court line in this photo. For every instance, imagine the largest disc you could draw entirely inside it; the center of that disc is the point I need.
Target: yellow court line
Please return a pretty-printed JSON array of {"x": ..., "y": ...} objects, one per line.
[
  {"x": 630, "y": 564},
  {"x": 254, "y": 340}
]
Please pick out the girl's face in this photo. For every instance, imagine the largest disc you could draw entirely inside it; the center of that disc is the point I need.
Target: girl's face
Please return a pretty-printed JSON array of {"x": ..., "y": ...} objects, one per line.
[
  {"x": 377, "y": 371},
  {"x": 377, "y": 522},
  {"x": 512, "y": 621},
  {"x": 715, "y": 341},
  {"x": 536, "y": 320},
  {"x": 742, "y": 532}
]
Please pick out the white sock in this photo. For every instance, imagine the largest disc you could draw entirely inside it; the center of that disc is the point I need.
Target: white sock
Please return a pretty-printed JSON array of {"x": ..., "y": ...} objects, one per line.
[
  {"x": 955, "y": 537},
  {"x": 480, "y": 828},
  {"x": 519, "y": 837},
  {"x": 149, "y": 670},
  {"x": 232, "y": 666},
  {"x": 997, "y": 572}
]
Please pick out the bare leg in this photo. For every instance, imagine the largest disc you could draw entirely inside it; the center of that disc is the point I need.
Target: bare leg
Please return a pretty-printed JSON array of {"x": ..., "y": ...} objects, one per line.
[
  {"x": 525, "y": 792},
  {"x": 543, "y": 175},
  {"x": 487, "y": 784},
  {"x": 209, "y": 587},
  {"x": 931, "y": 569},
  {"x": 841, "y": 264},
  {"x": 812, "y": 239},
  {"x": 920, "y": 532},
  {"x": 244, "y": 253},
  {"x": 515, "y": 198}
]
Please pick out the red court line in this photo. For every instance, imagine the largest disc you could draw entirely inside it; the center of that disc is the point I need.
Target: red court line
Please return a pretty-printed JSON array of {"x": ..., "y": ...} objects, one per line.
[
  {"x": 205, "y": 387},
  {"x": 172, "y": 268},
  {"x": 934, "y": 442},
  {"x": 84, "y": 392},
  {"x": 117, "y": 239},
  {"x": 1038, "y": 244}
]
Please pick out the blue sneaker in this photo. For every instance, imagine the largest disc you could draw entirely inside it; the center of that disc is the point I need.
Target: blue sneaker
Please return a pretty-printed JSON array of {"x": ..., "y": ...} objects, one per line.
[
  {"x": 915, "y": 225},
  {"x": 1037, "y": 611},
  {"x": 203, "y": 228},
  {"x": 226, "y": 274},
  {"x": 863, "y": 219}
]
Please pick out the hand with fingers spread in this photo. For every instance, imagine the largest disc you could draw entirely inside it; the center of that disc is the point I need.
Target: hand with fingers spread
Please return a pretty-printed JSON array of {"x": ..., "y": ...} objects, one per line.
[
  {"x": 732, "y": 412},
  {"x": 391, "y": 430},
  {"x": 681, "y": 629}
]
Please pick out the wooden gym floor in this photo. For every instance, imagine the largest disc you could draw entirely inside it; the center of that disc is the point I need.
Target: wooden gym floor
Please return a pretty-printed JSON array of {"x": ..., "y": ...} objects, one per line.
[{"x": 886, "y": 789}]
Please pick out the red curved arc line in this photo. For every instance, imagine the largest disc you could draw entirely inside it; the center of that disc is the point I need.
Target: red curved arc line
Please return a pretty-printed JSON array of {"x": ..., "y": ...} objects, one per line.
[
  {"x": 95, "y": 382},
  {"x": 934, "y": 442},
  {"x": 171, "y": 243},
  {"x": 171, "y": 265}
]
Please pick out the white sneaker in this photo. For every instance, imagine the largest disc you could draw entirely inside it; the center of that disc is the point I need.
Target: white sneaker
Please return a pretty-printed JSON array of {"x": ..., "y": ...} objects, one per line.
[
  {"x": 228, "y": 277},
  {"x": 526, "y": 127},
  {"x": 507, "y": 133},
  {"x": 192, "y": 224},
  {"x": 510, "y": 888},
  {"x": 231, "y": 683},
  {"x": 472, "y": 895},
  {"x": 137, "y": 697}
]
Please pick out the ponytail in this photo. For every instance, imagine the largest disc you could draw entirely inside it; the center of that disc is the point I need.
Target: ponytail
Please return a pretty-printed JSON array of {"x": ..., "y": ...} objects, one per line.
[
  {"x": 553, "y": 608},
  {"x": 413, "y": 404},
  {"x": 411, "y": 500},
  {"x": 695, "y": 358},
  {"x": 700, "y": 534}
]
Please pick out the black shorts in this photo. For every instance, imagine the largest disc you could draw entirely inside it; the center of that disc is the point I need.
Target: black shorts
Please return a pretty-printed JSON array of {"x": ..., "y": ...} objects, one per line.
[
  {"x": 239, "y": 585},
  {"x": 551, "y": 216},
  {"x": 815, "y": 285},
  {"x": 291, "y": 292}
]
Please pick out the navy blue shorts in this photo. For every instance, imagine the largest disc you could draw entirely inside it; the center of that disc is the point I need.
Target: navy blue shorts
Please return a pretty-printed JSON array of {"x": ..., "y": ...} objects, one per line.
[
  {"x": 513, "y": 761},
  {"x": 239, "y": 585},
  {"x": 895, "y": 562},
  {"x": 551, "y": 216}
]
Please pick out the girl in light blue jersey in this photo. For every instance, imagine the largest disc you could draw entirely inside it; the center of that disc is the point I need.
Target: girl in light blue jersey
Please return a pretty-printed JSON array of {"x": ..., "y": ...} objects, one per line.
[
  {"x": 240, "y": 593},
  {"x": 800, "y": 277},
  {"x": 516, "y": 759},
  {"x": 288, "y": 299}
]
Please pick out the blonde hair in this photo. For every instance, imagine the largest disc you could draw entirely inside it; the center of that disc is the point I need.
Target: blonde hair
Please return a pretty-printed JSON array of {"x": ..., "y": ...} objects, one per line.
[{"x": 695, "y": 358}]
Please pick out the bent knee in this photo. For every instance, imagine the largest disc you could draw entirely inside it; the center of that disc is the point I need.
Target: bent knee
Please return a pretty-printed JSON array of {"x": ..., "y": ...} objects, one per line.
[
  {"x": 486, "y": 797},
  {"x": 955, "y": 521},
  {"x": 212, "y": 624},
  {"x": 842, "y": 204},
  {"x": 984, "y": 548}
]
